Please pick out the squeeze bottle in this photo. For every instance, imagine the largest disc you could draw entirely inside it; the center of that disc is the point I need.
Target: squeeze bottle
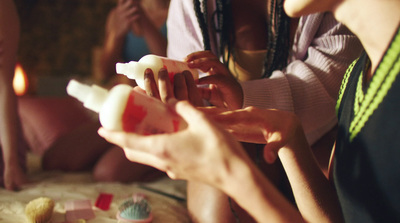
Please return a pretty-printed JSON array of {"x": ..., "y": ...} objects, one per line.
[
  {"x": 124, "y": 109},
  {"x": 135, "y": 70}
]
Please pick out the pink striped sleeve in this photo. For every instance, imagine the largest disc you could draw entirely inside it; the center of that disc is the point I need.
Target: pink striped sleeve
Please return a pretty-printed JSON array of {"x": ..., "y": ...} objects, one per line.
[{"x": 309, "y": 85}]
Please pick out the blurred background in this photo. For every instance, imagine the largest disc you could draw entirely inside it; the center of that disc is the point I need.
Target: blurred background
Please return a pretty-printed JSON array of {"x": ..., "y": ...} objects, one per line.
[{"x": 60, "y": 39}]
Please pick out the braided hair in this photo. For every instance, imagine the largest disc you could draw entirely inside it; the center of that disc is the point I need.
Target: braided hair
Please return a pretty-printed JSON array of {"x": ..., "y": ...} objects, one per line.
[{"x": 278, "y": 32}]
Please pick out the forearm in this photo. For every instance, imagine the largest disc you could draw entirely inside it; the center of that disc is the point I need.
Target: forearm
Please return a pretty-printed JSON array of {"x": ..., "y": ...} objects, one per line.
[
  {"x": 253, "y": 192},
  {"x": 9, "y": 37},
  {"x": 315, "y": 196},
  {"x": 155, "y": 40},
  {"x": 112, "y": 53}
]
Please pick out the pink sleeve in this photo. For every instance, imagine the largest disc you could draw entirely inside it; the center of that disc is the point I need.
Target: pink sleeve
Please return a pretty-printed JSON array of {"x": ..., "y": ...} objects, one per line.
[
  {"x": 308, "y": 86},
  {"x": 184, "y": 34}
]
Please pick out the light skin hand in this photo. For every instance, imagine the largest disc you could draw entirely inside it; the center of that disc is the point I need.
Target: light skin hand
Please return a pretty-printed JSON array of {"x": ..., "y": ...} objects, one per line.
[
  {"x": 205, "y": 139},
  {"x": 224, "y": 90},
  {"x": 187, "y": 155},
  {"x": 271, "y": 127},
  {"x": 165, "y": 153}
]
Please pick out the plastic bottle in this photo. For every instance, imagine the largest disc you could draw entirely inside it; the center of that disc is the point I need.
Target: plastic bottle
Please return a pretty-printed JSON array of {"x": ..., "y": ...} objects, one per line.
[
  {"x": 124, "y": 109},
  {"x": 135, "y": 70}
]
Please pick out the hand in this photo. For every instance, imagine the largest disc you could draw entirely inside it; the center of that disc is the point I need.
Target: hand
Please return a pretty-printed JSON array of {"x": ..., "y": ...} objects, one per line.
[
  {"x": 123, "y": 17},
  {"x": 201, "y": 152},
  {"x": 274, "y": 128},
  {"x": 183, "y": 87},
  {"x": 224, "y": 91},
  {"x": 14, "y": 177}
]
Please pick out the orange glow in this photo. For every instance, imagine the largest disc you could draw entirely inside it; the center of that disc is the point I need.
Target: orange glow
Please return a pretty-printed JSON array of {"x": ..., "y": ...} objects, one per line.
[{"x": 20, "y": 81}]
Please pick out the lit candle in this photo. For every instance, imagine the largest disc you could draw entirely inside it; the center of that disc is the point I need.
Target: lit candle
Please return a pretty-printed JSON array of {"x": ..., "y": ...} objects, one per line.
[{"x": 20, "y": 81}]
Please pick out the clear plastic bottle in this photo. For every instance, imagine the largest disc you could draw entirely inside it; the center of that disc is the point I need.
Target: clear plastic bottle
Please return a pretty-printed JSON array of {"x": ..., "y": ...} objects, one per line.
[
  {"x": 135, "y": 70},
  {"x": 124, "y": 109}
]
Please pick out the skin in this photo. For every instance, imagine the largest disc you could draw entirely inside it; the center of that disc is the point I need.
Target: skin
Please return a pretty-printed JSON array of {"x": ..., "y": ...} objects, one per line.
[
  {"x": 374, "y": 22},
  {"x": 130, "y": 15},
  {"x": 224, "y": 91},
  {"x": 231, "y": 160},
  {"x": 14, "y": 175}
]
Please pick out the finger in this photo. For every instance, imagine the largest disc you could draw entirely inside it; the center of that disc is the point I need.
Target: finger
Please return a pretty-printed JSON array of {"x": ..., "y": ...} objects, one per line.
[
  {"x": 125, "y": 4},
  {"x": 192, "y": 90},
  {"x": 180, "y": 88},
  {"x": 145, "y": 158},
  {"x": 164, "y": 85},
  {"x": 205, "y": 93},
  {"x": 208, "y": 65},
  {"x": 212, "y": 110},
  {"x": 150, "y": 85},
  {"x": 213, "y": 95},
  {"x": 132, "y": 13},
  {"x": 198, "y": 55},
  {"x": 215, "y": 79},
  {"x": 121, "y": 139},
  {"x": 139, "y": 89},
  {"x": 240, "y": 116},
  {"x": 120, "y": 2},
  {"x": 134, "y": 141},
  {"x": 270, "y": 155},
  {"x": 190, "y": 114}
]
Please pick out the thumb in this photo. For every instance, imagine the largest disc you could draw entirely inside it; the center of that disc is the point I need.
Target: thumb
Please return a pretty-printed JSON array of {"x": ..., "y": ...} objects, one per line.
[
  {"x": 270, "y": 155},
  {"x": 188, "y": 112}
]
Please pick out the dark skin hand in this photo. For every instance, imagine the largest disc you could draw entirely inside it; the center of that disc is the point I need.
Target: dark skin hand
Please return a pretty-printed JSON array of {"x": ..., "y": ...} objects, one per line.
[{"x": 183, "y": 87}]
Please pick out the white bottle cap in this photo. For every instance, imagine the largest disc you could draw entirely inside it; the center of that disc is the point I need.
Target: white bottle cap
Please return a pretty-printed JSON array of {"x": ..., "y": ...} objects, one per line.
[
  {"x": 129, "y": 69},
  {"x": 93, "y": 97},
  {"x": 133, "y": 70}
]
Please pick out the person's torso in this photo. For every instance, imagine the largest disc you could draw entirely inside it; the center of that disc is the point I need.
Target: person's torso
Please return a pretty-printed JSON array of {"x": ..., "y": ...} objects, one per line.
[{"x": 366, "y": 167}]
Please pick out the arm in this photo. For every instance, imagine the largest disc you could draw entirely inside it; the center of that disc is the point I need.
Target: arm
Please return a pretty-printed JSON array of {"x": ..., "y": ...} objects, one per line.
[
  {"x": 281, "y": 131},
  {"x": 119, "y": 22},
  {"x": 310, "y": 83},
  {"x": 187, "y": 155},
  {"x": 9, "y": 119},
  {"x": 112, "y": 50},
  {"x": 156, "y": 41},
  {"x": 231, "y": 166},
  {"x": 308, "y": 86},
  {"x": 128, "y": 15}
]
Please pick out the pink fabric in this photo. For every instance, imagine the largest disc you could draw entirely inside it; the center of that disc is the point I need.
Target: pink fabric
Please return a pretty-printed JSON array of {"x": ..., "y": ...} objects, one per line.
[
  {"x": 78, "y": 209},
  {"x": 321, "y": 53},
  {"x": 45, "y": 119}
]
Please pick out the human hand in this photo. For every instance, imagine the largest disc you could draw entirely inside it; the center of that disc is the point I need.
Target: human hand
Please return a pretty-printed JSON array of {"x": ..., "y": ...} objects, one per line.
[
  {"x": 14, "y": 177},
  {"x": 186, "y": 154},
  {"x": 275, "y": 128},
  {"x": 182, "y": 88},
  {"x": 123, "y": 17},
  {"x": 224, "y": 90}
]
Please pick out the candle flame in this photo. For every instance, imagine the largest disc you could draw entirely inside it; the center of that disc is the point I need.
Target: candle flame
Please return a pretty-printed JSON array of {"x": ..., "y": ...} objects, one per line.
[{"x": 20, "y": 81}]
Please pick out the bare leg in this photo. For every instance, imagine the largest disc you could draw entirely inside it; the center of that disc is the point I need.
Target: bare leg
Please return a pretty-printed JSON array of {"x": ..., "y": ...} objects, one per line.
[
  {"x": 77, "y": 150},
  {"x": 113, "y": 166},
  {"x": 207, "y": 204}
]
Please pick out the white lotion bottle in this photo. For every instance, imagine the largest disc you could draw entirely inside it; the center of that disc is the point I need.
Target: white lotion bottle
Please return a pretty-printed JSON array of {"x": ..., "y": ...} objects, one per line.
[
  {"x": 135, "y": 70},
  {"x": 123, "y": 109}
]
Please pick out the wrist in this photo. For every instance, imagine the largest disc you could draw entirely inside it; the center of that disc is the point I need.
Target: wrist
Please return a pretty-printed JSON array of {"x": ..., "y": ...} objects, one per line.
[{"x": 241, "y": 171}]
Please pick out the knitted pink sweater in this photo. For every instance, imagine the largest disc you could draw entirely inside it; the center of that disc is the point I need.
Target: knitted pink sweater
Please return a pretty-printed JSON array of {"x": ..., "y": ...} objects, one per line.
[{"x": 322, "y": 51}]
